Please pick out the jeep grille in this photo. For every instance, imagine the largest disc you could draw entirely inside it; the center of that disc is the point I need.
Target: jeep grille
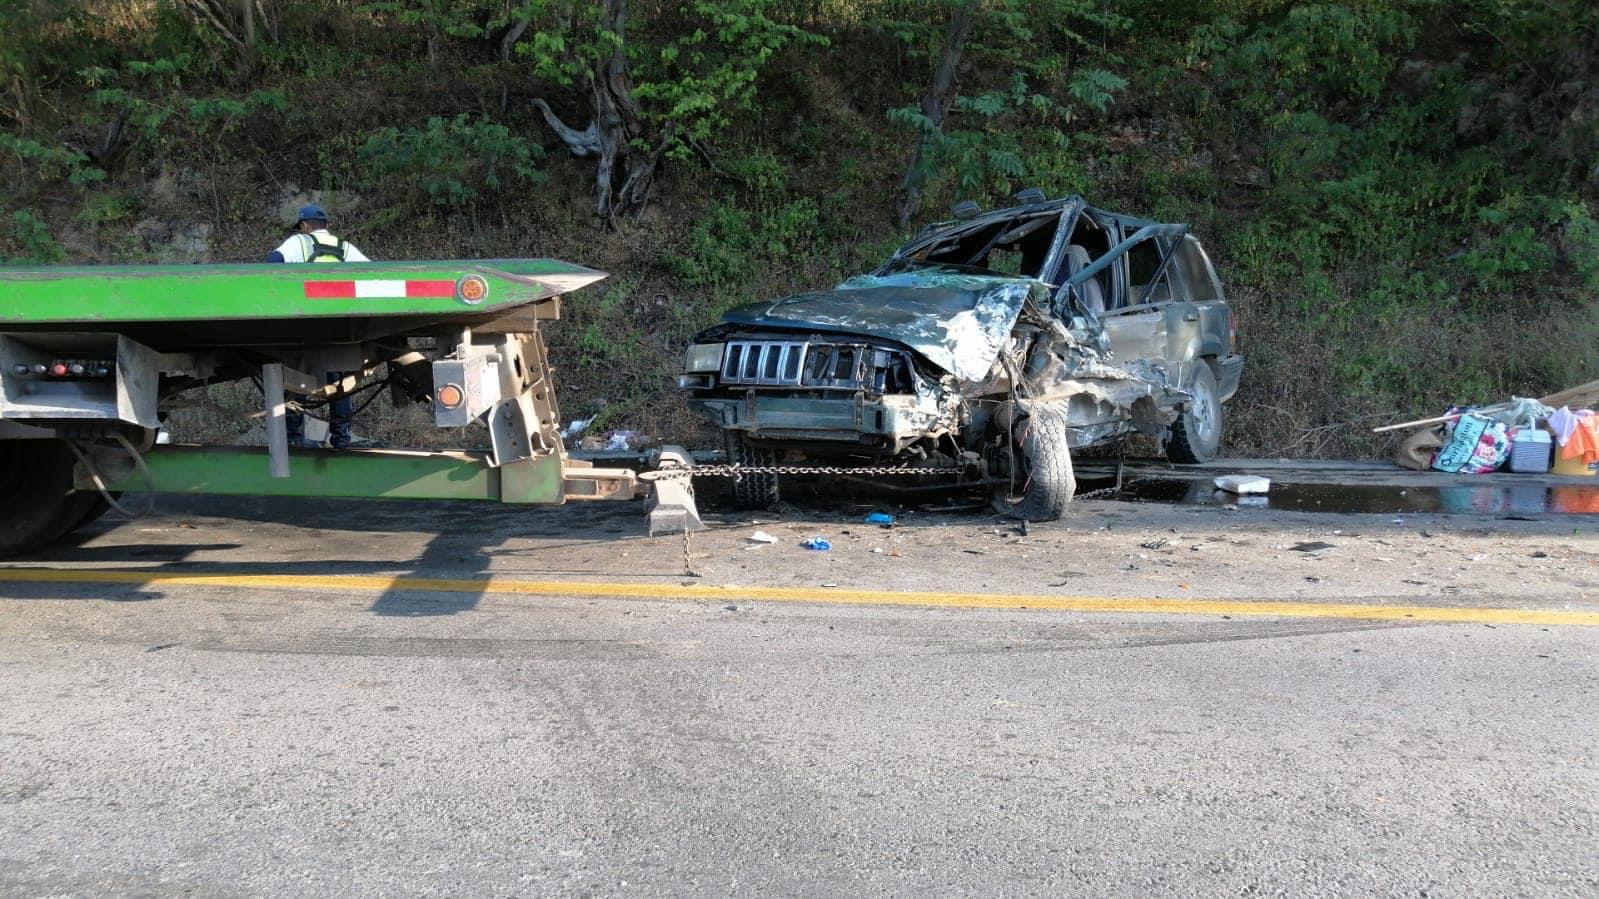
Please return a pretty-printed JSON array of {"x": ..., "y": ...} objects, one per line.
[
  {"x": 826, "y": 366},
  {"x": 763, "y": 362}
]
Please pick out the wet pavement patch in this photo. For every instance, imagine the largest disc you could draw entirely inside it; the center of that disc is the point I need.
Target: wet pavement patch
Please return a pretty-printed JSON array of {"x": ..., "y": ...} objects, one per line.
[{"x": 1531, "y": 500}]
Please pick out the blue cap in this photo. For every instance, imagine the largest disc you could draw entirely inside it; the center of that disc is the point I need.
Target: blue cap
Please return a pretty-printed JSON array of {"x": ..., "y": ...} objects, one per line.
[{"x": 312, "y": 212}]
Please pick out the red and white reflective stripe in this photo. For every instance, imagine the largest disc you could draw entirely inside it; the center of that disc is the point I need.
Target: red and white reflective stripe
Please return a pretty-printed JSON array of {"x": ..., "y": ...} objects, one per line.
[{"x": 361, "y": 290}]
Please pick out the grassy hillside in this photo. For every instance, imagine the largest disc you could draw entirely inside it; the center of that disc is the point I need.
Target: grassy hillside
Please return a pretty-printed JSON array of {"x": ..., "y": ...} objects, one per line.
[{"x": 1402, "y": 196}]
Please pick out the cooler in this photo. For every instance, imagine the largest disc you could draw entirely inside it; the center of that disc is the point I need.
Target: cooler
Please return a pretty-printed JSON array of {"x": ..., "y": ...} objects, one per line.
[{"x": 1529, "y": 451}]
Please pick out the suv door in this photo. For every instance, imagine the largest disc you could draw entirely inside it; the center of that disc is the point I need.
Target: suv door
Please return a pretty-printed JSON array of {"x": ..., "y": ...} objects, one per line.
[
  {"x": 1196, "y": 320},
  {"x": 1137, "y": 324}
]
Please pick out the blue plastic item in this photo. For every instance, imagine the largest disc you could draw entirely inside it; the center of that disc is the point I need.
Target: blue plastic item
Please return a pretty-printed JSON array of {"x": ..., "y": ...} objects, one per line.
[
  {"x": 879, "y": 518},
  {"x": 818, "y": 543}
]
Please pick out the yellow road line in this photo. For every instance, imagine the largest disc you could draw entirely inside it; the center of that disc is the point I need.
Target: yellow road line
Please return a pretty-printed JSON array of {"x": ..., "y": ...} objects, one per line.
[{"x": 724, "y": 593}]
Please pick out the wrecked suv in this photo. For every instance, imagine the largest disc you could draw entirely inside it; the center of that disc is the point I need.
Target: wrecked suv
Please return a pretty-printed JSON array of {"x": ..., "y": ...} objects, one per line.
[{"x": 990, "y": 347}]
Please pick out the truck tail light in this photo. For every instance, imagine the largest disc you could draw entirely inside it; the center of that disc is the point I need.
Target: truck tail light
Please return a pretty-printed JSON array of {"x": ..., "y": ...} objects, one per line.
[{"x": 69, "y": 369}]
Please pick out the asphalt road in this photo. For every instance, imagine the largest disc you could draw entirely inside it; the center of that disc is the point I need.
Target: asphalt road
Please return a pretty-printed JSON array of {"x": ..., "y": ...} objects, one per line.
[{"x": 271, "y": 698}]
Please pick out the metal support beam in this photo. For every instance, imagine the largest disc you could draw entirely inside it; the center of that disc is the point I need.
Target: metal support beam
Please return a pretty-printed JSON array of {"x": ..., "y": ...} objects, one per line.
[{"x": 277, "y": 428}]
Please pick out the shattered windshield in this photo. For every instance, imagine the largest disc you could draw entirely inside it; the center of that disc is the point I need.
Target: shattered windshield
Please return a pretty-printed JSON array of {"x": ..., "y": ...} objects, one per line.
[{"x": 1014, "y": 245}]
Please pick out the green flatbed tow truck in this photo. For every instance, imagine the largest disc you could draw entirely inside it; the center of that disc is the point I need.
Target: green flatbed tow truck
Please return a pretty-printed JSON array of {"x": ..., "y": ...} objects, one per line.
[{"x": 93, "y": 358}]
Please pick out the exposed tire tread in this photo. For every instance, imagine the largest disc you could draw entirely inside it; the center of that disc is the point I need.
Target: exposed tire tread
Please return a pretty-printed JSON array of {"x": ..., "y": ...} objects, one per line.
[
  {"x": 752, "y": 491},
  {"x": 1050, "y": 480}
]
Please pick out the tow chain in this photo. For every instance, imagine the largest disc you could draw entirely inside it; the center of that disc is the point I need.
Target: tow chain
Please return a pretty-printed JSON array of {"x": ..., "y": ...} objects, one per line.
[
  {"x": 734, "y": 471},
  {"x": 1112, "y": 490}
]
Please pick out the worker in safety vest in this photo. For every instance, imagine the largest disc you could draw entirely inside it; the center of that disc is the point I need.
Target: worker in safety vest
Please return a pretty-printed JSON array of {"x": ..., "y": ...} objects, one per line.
[{"x": 311, "y": 242}]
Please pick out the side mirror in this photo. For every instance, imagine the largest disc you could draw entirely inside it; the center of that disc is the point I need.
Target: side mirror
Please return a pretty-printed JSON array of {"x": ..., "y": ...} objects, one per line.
[
  {"x": 1030, "y": 195},
  {"x": 966, "y": 209}
]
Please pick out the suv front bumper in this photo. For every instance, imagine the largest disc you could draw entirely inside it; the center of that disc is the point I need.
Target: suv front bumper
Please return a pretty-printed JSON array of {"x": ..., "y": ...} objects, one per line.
[{"x": 886, "y": 421}]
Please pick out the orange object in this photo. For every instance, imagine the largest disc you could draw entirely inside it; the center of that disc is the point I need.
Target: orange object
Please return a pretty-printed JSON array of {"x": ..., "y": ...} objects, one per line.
[
  {"x": 1583, "y": 444},
  {"x": 1574, "y": 500},
  {"x": 451, "y": 396}
]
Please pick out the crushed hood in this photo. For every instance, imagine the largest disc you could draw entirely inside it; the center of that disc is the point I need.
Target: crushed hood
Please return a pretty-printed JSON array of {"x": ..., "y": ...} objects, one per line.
[{"x": 958, "y": 322}]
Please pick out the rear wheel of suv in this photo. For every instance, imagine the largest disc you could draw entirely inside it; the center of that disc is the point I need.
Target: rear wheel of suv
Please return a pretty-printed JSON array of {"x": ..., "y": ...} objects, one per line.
[
  {"x": 752, "y": 490},
  {"x": 1196, "y": 434},
  {"x": 1036, "y": 460}
]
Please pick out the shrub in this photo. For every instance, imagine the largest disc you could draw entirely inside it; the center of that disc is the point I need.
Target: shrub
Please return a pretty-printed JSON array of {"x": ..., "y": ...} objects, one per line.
[{"x": 450, "y": 162}]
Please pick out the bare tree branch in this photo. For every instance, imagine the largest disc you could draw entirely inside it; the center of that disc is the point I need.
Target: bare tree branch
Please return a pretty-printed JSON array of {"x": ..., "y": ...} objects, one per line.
[
  {"x": 935, "y": 106},
  {"x": 581, "y": 143}
]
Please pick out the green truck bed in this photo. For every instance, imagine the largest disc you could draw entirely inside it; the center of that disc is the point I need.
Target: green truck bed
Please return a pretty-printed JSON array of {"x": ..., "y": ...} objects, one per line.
[{"x": 171, "y": 307}]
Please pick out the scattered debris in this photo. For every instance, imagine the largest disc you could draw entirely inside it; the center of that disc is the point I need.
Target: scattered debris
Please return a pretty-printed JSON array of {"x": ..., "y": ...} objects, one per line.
[
  {"x": 1243, "y": 484},
  {"x": 1313, "y": 547},
  {"x": 575, "y": 430},
  {"x": 761, "y": 538},
  {"x": 819, "y": 544},
  {"x": 1154, "y": 544},
  {"x": 623, "y": 440},
  {"x": 882, "y": 518},
  {"x": 1520, "y": 435}
]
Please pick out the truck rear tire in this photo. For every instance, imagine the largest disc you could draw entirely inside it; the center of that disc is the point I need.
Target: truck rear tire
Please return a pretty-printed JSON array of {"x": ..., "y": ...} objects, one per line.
[
  {"x": 1040, "y": 480},
  {"x": 92, "y": 511},
  {"x": 37, "y": 502},
  {"x": 756, "y": 490}
]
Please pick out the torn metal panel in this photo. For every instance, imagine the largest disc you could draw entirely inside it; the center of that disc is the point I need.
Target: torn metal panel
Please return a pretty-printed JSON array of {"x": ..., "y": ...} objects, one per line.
[{"x": 957, "y": 322}]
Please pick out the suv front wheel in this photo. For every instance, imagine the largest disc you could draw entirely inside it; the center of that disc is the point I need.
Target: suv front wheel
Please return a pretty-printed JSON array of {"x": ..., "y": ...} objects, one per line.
[
  {"x": 756, "y": 489},
  {"x": 1035, "y": 460}
]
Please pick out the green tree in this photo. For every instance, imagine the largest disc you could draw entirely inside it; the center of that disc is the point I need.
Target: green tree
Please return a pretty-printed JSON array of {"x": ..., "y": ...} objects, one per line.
[
  {"x": 440, "y": 19},
  {"x": 653, "y": 96},
  {"x": 1033, "y": 63},
  {"x": 240, "y": 24},
  {"x": 25, "y": 45}
]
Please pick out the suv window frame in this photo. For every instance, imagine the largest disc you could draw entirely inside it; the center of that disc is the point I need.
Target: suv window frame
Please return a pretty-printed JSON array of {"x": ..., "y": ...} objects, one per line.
[
  {"x": 1065, "y": 212},
  {"x": 1206, "y": 268},
  {"x": 1132, "y": 231}
]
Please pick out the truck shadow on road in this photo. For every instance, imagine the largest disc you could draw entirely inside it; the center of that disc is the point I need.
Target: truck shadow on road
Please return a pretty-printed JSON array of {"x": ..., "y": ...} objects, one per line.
[{"x": 452, "y": 546}]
